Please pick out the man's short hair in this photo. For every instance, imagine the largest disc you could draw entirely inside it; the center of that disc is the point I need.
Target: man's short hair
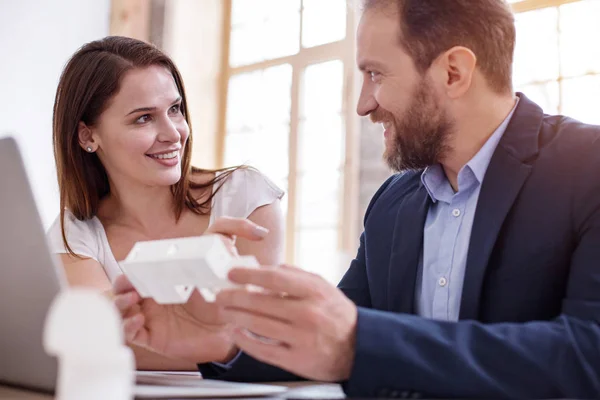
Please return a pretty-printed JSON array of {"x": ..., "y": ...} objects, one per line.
[{"x": 431, "y": 27}]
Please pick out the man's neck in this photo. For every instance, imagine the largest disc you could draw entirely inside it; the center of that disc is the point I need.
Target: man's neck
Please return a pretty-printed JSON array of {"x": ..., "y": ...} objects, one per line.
[{"x": 476, "y": 122}]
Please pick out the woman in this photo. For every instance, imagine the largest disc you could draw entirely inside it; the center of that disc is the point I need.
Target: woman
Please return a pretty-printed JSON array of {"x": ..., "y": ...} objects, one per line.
[{"x": 122, "y": 145}]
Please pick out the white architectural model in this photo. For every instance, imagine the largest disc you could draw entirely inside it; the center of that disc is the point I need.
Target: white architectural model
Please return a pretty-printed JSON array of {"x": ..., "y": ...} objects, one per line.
[
  {"x": 168, "y": 270},
  {"x": 83, "y": 330}
]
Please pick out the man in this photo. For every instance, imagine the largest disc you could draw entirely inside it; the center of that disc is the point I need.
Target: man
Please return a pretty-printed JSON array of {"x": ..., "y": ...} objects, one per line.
[{"x": 478, "y": 270}]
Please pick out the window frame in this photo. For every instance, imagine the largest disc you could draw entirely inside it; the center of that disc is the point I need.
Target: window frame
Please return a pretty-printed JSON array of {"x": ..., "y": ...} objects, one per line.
[{"x": 343, "y": 50}]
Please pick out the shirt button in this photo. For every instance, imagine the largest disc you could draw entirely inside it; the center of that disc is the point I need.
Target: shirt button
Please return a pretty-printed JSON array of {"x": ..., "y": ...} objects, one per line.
[
  {"x": 456, "y": 212},
  {"x": 442, "y": 281}
]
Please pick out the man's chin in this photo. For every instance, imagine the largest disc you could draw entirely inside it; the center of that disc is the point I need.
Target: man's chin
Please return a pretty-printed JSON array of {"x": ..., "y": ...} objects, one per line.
[{"x": 391, "y": 160}]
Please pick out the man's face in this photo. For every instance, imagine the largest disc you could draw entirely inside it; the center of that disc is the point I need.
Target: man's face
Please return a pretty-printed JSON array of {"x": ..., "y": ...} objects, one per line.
[{"x": 394, "y": 93}]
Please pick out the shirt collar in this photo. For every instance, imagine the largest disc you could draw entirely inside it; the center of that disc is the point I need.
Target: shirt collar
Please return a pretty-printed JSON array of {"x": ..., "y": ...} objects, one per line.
[{"x": 435, "y": 181}]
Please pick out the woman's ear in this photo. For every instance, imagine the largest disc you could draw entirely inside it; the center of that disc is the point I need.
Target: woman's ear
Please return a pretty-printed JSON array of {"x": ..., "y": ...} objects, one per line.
[{"x": 86, "y": 138}]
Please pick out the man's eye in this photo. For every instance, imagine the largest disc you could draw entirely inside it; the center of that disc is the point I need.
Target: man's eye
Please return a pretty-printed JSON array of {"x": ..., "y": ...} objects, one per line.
[{"x": 374, "y": 75}]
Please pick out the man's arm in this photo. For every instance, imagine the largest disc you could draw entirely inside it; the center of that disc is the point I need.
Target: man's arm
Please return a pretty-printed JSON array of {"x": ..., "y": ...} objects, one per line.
[
  {"x": 247, "y": 369},
  {"x": 402, "y": 355},
  {"x": 355, "y": 286}
]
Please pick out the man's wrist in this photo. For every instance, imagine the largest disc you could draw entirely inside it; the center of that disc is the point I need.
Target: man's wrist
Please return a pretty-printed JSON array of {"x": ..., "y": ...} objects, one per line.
[{"x": 347, "y": 355}]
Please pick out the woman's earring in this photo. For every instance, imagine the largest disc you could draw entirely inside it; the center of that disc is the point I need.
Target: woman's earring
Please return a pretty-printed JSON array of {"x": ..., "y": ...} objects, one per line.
[{"x": 89, "y": 149}]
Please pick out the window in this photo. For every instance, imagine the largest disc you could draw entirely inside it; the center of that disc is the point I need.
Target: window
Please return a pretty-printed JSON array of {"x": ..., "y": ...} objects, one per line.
[
  {"x": 289, "y": 97},
  {"x": 557, "y": 63},
  {"x": 288, "y": 113}
]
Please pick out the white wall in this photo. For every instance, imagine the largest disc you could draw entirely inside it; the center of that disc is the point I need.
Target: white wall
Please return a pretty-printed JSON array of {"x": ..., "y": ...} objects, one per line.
[{"x": 36, "y": 39}]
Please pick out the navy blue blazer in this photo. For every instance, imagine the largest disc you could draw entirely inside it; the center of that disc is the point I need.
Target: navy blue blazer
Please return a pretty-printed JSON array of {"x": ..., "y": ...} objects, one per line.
[{"x": 530, "y": 312}]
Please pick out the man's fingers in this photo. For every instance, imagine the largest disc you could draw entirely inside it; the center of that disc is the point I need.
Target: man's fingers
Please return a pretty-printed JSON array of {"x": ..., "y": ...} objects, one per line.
[
  {"x": 260, "y": 325},
  {"x": 292, "y": 281},
  {"x": 266, "y": 352},
  {"x": 269, "y": 304},
  {"x": 233, "y": 227}
]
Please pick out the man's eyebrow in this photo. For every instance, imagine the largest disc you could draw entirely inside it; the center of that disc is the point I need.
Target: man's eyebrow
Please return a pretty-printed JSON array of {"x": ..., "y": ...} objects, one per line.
[{"x": 368, "y": 65}]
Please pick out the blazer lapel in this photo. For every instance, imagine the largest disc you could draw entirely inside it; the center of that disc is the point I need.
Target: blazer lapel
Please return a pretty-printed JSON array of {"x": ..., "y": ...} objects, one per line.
[
  {"x": 407, "y": 244},
  {"x": 508, "y": 170}
]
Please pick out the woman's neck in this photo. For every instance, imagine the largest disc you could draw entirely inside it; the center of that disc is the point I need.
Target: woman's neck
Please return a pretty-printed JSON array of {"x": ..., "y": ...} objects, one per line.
[{"x": 148, "y": 210}]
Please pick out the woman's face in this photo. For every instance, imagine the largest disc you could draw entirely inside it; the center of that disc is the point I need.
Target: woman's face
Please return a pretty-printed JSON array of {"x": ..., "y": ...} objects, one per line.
[{"x": 141, "y": 136}]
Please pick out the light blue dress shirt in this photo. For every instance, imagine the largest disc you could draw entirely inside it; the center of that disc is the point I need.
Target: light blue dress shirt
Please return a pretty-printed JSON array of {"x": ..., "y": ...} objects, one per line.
[{"x": 447, "y": 232}]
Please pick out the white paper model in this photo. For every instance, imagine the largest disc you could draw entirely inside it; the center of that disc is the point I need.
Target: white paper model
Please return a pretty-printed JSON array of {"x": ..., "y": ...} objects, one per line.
[
  {"x": 168, "y": 270},
  {"x": 83, "y": 330}
]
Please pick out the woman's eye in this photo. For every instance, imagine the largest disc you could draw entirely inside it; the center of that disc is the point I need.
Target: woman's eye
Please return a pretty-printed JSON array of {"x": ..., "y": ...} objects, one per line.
[
  {"x": 175, "y": 109},
  {"x": 143, "y": 119}
]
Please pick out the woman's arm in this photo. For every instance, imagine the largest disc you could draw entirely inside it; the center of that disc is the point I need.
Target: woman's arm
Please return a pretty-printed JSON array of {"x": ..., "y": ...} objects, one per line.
[
  {"x": 89, "y": 273},
  {"x": 270, "y": 250}
]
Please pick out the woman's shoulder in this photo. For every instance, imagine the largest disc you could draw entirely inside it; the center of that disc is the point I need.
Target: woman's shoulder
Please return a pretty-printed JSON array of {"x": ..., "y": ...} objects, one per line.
[
  {"x": 70, "y": 222},
  {"x": 252, "y": 177},
  {"x": 242, "y": 191},
  {"x": 81, "y": 235}
]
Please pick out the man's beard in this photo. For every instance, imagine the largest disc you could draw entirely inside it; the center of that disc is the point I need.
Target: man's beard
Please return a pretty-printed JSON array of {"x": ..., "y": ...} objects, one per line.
[{"x": 421, "y": 134}]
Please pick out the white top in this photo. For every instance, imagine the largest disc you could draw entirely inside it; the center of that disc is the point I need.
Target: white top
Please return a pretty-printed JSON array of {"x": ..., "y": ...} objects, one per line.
[{"x": 240, "y": 194}]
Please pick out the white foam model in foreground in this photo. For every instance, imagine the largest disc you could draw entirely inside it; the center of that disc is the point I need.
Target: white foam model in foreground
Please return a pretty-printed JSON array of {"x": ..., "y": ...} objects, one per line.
[
  {"x": 168, "y": 270},
  {"x": 83, "y": 330}
]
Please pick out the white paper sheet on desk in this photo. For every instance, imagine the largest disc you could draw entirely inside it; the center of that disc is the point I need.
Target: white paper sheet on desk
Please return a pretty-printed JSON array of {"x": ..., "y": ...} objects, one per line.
[
  {"x": 189, "y": 384},
  {"x": 296, "y": 390}
]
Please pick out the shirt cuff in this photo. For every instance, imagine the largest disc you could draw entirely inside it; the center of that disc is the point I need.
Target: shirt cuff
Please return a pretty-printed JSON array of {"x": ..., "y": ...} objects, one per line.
[{"x": 230, "y": 363}]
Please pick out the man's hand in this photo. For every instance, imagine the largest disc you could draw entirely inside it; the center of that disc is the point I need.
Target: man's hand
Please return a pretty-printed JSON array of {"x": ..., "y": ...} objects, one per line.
[
  {"x": 313, "y": 324},
  {"x": 195, "y": 331}
]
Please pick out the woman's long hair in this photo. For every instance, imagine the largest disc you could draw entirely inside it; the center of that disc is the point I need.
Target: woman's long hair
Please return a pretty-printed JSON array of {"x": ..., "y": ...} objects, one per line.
[{"x": 90, "y": 79}]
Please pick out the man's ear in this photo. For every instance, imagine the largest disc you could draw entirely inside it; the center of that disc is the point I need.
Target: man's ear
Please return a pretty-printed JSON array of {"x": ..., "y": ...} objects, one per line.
[
  {"x": 86, "y": 137},
  {"x": 454, "y": 69}
]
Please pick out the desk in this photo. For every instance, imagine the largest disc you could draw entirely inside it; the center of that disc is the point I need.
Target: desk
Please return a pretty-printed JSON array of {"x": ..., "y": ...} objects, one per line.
[{"x": 298, "y": 390}]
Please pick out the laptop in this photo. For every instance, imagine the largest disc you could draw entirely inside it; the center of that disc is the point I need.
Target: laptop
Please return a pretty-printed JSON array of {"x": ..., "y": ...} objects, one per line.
[{"x": 30, "y": 278}]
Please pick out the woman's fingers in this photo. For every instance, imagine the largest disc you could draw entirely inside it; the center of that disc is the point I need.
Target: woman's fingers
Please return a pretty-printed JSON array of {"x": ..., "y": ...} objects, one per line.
[{"x": 232, "y": 227}]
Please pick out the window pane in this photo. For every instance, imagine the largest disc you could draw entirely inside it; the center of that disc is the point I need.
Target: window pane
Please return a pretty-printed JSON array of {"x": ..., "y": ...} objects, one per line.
[
  {"x": 266, "y": 150},
  {"x": 263, "y": 30},
  {"x": 321, "y": 140},
  {"x": 316, "y": 251},
  {"x": 259, "y": 98},
  {"x": 536, "y": 52},
  {"x": 319, "y": 199},
  {"x": 578, "y": 25},
  {"x": 323, "y": 22},
  {"x": 580, "y": 98},
  {"x": 322, "y": 90},
  {"x": 258, "y": 121},
  {"x": 246, "y": 12},
  {"x": 545, "y": 95}
]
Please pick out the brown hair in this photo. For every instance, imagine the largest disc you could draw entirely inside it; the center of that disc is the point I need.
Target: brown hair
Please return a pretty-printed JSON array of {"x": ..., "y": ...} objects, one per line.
[
  {"x": 90, "y": 79},
  {"x": 430, "y": 27}
]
